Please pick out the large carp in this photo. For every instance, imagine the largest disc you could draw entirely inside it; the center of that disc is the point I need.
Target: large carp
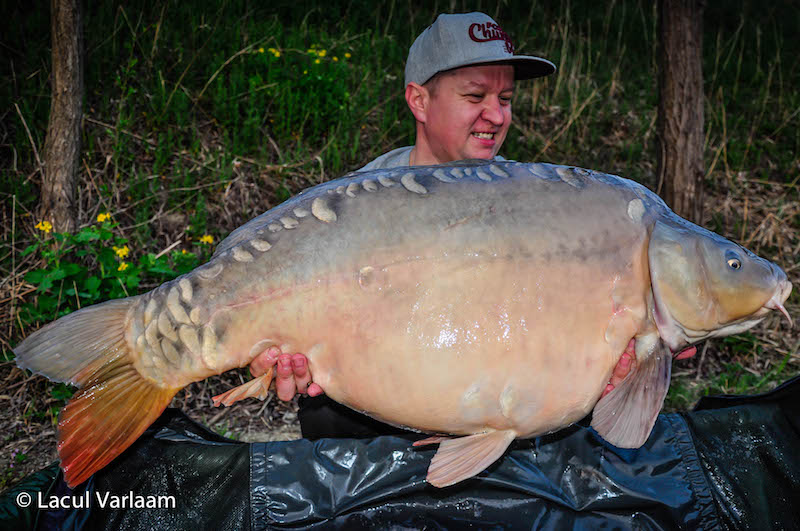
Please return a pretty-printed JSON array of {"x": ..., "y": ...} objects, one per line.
[{"x": 487, "y": 300}]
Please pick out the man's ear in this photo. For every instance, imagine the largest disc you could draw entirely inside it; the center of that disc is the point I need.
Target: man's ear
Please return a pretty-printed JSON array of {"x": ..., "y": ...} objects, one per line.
[{"x": 418, "y": 99}]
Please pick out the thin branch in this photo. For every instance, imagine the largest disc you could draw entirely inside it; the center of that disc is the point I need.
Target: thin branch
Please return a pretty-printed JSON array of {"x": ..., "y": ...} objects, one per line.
[{"x": 30, "y": 138}]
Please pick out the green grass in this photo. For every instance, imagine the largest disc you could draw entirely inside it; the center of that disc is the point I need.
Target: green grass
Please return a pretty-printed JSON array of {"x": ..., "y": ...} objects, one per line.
[
  {"x": 200, "y": 115},
  {"x": 181, "y": 75}
]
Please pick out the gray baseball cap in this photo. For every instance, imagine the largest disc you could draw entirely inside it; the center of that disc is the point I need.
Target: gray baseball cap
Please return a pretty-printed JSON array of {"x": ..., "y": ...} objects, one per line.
[{"x": 453, "y": 41}]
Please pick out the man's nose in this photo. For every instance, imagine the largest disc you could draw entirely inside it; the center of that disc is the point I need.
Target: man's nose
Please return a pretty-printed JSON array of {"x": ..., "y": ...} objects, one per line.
[{"x": 493, "y": 111}]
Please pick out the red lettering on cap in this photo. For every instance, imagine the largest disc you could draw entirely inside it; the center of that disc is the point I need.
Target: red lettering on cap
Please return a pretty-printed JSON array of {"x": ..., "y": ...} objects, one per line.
[{"x": 490, "y": 32}]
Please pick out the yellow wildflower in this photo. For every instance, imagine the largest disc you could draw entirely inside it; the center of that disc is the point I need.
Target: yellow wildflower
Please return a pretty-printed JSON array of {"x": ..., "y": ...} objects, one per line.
[
  {"x": 277, "y": 53},
  {"x": 335, "y": 58},
  {"x": 316, "y": 61},
  {"x": 105, "y": 216},
  {"x": 322, "y": 53},
  {"x": 184, "y": 251},
  {"x": 305, "y": 71},
  {"x": 122, "y": 252},
  {"x": 347, "y": 55},
  {"x": 44, "y": 226},
  {"x": 123, "y": 266},
  {"x": 261, "y": 50},
  {"x": 207, "y": 238}
]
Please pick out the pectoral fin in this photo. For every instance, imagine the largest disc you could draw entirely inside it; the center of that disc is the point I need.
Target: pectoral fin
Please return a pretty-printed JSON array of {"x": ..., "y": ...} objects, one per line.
[
  {"x": 626, "y": 415},
  {"x": 461, "y": 458}
]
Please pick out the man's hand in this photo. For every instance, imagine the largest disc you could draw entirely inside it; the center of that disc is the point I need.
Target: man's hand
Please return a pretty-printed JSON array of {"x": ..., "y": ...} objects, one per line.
[
  {"x": 292, "y": 373},
  {"x": 624, "y": 366},
  {"x": 628, "y": 362}
]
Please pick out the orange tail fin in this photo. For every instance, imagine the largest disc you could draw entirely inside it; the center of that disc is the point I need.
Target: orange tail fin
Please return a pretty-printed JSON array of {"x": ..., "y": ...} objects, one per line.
[
  {"x": 105, "y": 417},
  {"x": 115, "y": 403}
]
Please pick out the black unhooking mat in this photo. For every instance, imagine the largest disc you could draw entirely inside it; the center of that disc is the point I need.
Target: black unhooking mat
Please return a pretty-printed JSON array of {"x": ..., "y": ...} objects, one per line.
[{"x": 733, "y": 463}]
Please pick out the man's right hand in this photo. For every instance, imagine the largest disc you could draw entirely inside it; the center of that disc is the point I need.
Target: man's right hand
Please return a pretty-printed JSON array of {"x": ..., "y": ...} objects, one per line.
[{"x": 292, "y": 374}]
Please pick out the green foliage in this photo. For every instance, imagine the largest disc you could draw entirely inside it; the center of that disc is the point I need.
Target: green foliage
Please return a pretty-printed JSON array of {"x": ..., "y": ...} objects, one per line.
[
  {"x": 735, "y": 379},
  {"x": 273, "y": 82},
  {"x": 680, "y": 396},
  {"x": 62, "y": 392},
  {"x": 90, "y": 266},
  {"x": 729, "y": 378},
  {"x": 225, "y": 429},
  {"x": 13, "y": 470}
]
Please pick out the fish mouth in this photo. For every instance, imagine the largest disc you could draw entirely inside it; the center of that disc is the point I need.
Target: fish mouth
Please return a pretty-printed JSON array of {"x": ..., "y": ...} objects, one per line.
[
  {"x": 777, "y": 300},
  {"x": 677, "y": 337},
  {"x": 782, "y": 292}
]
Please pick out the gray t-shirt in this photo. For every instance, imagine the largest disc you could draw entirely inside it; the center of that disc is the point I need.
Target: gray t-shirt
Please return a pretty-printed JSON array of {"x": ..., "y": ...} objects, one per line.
[{"x": 397, "y": 158}]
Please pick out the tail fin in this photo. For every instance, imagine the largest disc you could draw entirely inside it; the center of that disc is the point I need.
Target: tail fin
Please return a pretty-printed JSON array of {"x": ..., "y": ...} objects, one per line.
[{"x": 115, "y": 403}]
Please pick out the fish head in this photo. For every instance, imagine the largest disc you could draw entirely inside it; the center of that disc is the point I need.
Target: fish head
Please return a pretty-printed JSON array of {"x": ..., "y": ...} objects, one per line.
[{"x": 707, "y": 286}]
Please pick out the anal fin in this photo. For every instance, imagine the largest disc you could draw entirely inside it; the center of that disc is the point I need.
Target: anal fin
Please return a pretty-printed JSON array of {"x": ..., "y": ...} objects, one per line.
[
  {"x": 255, "y": 388},
  {"x": 463, "y": 457},
  {"x": 626, "y": 415}
]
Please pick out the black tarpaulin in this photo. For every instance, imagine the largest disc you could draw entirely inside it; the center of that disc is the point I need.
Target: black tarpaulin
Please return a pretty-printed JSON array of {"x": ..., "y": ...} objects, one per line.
[{"x": 734, "y": 463}]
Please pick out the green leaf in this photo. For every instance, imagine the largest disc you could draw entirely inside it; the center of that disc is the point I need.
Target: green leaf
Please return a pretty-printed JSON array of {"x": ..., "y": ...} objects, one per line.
[
  {"x": 105, "y": 234},
  {"x": 72, "y": 269},
  {"x": 29, "y": 249},
  {"x": 45, "y": 284},
  {"x": 57, "y": 274},
  {"x": 161, "y": 270},
  {"x": 36, "y": 276},
  {"x": 62, "y": 391},
  {"x": 93, "y": 284},
  {"x": 86, "y": 235},
  {"x": 70, "y": 292}
]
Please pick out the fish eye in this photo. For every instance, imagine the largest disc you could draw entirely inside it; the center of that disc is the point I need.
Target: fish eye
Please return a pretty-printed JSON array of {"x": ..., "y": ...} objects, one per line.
[{"x": 734, "y": 262}]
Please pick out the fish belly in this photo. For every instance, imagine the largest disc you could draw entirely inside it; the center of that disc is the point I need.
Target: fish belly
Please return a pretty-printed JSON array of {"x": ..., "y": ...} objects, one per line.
[{"x": 457, "y": 345}]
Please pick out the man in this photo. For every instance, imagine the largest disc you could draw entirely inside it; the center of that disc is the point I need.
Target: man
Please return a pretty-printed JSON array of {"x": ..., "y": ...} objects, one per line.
[{"x": 459, "y": 76}]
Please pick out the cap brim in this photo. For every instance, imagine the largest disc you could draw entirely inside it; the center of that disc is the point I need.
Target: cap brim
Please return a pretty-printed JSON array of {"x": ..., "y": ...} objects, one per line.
[
  {"x": 525, "y": 66},
  {"x": 529, "y": 67}
]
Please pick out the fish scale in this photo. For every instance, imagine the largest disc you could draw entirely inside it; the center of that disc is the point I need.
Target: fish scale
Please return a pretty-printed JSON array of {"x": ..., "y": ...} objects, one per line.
[{"x": 491, "y": 300}]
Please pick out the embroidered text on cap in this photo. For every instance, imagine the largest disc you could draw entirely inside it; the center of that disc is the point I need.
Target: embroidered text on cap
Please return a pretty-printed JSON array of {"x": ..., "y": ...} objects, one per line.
[{"x": 490, "y": 32}]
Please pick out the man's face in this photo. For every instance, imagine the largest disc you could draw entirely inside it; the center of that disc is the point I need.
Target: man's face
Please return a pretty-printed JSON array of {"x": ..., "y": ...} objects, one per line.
[{"x": 470, "y": 112}]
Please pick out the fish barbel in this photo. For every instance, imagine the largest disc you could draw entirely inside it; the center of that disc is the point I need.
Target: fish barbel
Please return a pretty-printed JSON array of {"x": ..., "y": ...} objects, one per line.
[{"x": 516, "y": 286}]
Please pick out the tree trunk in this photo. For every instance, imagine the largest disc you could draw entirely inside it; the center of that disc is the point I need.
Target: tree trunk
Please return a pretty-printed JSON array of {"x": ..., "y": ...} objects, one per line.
[
  {"x": 63, "y": 143},
  {"x": 680, "y": 107}
]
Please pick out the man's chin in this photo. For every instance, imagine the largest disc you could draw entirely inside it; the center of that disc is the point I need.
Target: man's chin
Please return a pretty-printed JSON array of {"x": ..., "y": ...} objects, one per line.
[{"x": 485, "y": 154}]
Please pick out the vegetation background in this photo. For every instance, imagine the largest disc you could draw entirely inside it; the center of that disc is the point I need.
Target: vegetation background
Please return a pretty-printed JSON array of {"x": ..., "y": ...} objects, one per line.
[{"x": 201, "y": 115}]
